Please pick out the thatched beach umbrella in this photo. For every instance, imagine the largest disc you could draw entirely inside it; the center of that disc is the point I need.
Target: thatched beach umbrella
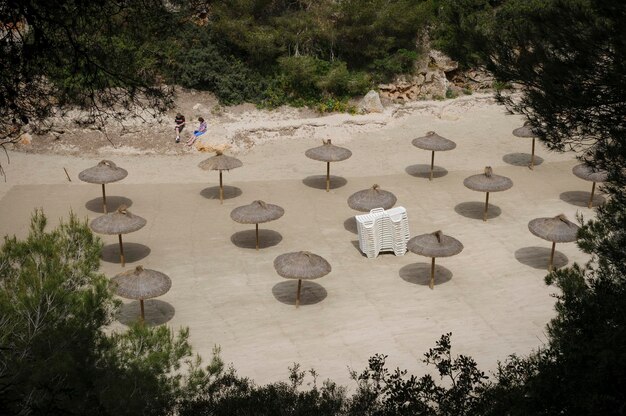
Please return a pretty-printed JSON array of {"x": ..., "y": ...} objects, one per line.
[
  {"x": 256, "y": 213},
  {"x": 435, "y": 143},
  {"x": 527, "y": 131},
  {"x": 103, "y": 173},
  {"x": 140, "y": 284},
  {"x": 368, "y": 199},
  {"x": 434, "y": 245},
  {"x": 583, "y": 171},
  {"x": 488, "y": 182},
  {"x": 558, "y": 230},
  {"x": 301, "y": 265},
  {"x": 220, "y": 162},
  {"x": 328, "y": 152},
  {"x": 119, "y": 222}
]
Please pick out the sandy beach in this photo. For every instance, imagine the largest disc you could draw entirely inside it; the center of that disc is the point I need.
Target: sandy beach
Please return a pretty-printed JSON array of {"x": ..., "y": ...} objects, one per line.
[{"x": 492, "y": 296}]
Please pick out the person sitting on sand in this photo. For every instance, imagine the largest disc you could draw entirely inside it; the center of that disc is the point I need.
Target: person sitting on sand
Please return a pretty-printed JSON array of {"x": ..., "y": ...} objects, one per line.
[
  {"x": 197, "y": 133},
  {"x": 179, "y": 122}
]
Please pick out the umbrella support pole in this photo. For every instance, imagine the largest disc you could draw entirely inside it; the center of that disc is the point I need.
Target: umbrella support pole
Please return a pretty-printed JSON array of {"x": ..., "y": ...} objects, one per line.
[
  {"x": 532, "y": 156},
  {"x": 432, "y": 274},
  {"x": 298, "y": 293},
  {"x": 143, "y": 315},
  {"x": 327, "y": 176},
  {"x": 104, "y": 200},
  {"x": 122, "y": 260},
  {"x": 257, "y": 236},
  {"x": 221, "y": 189},
  {"x": 593, "y": 189},
  {"x": 550, "y": 266},
  {"x": 432, "y": 165},
  {"x": 486, "y": 207}
]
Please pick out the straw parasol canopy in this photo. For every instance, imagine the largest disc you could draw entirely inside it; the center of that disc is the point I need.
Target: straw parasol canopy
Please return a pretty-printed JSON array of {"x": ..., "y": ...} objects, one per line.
[
  {"x": 141, "y": 284},
  {"x": 103, "y": 173},
  {"x": 256, "y": 213},
  {"x": 328, "y": 152},
  {"x": 557, "y": 230},
  {"x": 220, "y": 162},
  {"x": 434, "y": 245},
  {"x": 586, "y": 172},
  {"x": 488, "y": 182},
  {"x": 368, "y": 199},
  {"x": 527, "y": 131},
  {"x": 435, "y": 143},
  {"x": 119, "y": 222},
  {"x": 301, "y": 265}
]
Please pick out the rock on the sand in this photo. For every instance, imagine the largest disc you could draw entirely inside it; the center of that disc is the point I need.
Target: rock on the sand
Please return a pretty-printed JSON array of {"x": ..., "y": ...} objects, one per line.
[{"x": 371, "y": 103}]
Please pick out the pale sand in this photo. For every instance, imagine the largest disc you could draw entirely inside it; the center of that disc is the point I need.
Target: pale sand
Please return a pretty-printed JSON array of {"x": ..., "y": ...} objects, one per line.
[{"x": 492, "y": 296}]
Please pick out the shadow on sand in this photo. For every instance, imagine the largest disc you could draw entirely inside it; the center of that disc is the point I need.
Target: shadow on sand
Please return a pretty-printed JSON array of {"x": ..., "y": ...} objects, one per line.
[
  {"x": 419, "y": 274},
  {"x": 423, "y": 171},
  {"x": 132, "y": 252},
  {"x": 95, "y": 205},
  {"x": 521, "y": 159},
  {"x": 350, "y": 225},
  {"x": 581, "y": 198},
  {"x": 157, "y": 312},
  {"x": 247, "y": 238},
  {"x": 539, "y": 257},
  {"x": 319, "y": 181},
  {"x": 213, "y": 192},
  {"x": 474, "y": 210},
  {"x": 310, "y": 293}
]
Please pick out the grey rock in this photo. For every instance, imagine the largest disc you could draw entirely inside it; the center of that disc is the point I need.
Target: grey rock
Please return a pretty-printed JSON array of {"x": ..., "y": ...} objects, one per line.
[{"x": 371, "y": 103}]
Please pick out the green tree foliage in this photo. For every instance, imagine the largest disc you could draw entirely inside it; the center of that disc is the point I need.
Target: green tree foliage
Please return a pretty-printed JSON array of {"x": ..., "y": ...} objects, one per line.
[
  {"x": 569, "y": 59},
  {"x": 462, "y": 28},
  {"x": 102, "y": 55},
  {"x": 55, "y": 357},
  {"x": 384, "y": 392},
  {"x": 228, "y": 394}
]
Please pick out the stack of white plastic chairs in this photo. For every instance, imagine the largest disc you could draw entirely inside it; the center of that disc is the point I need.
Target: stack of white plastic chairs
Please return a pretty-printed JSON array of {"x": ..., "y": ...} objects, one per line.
[{"x": 382, "y": 230}]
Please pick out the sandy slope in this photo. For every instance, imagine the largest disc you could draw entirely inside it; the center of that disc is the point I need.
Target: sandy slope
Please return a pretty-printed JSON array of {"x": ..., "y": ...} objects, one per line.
[{"x": 491, "y": 296}]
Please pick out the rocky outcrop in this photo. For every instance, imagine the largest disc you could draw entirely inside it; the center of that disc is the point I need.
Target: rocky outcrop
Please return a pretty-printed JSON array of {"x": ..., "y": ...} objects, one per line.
[
  {"x": 436, "y": 76},
  {"x": 371, "y": 103}
]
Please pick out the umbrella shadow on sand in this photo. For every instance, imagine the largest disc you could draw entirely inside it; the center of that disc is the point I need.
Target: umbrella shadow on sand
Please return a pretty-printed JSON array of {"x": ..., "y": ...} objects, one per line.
[
  {"x": 475, "y": 210},
  {"x": 419, "y": 274},
  {"x": 310, "y": 294},
  {"x": 423, "y": 171},
  {"x": 113, "y": 202},
  {"x": 539, "y": 257},
  {"x": 132, "y": 252},
  {"x": 521, "y": 159},
  {"x": 581, "y": 198},
  {"x": 213, "y": 192},
  {"x": 319, "y": 181},
  {"x": 350, "y": 225},
  {"x": 157, "y": 312},
  {"x": 247, "y": 238}
]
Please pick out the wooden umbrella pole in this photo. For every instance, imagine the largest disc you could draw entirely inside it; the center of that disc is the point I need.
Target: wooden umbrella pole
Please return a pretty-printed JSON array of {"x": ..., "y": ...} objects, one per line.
[
  {"x": 532, "y": 156},
  {"x": 143, "y": 315},
  {"x": 298, "y": 294},
  {"x": 593, "y": 189},
  {"x": 257, "y": 236},
  {"x": 432, "y": 165},
  {"x": 550, "y": 266},
  {"x": 327, "y": 176},
  {"x": 104, "y": 199},
  {"x": 486, "y": 207},
  {"x": 221, "y": 189},
  {"x": 123, "y": 261},
  {"x": 432, "y": 274}
]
